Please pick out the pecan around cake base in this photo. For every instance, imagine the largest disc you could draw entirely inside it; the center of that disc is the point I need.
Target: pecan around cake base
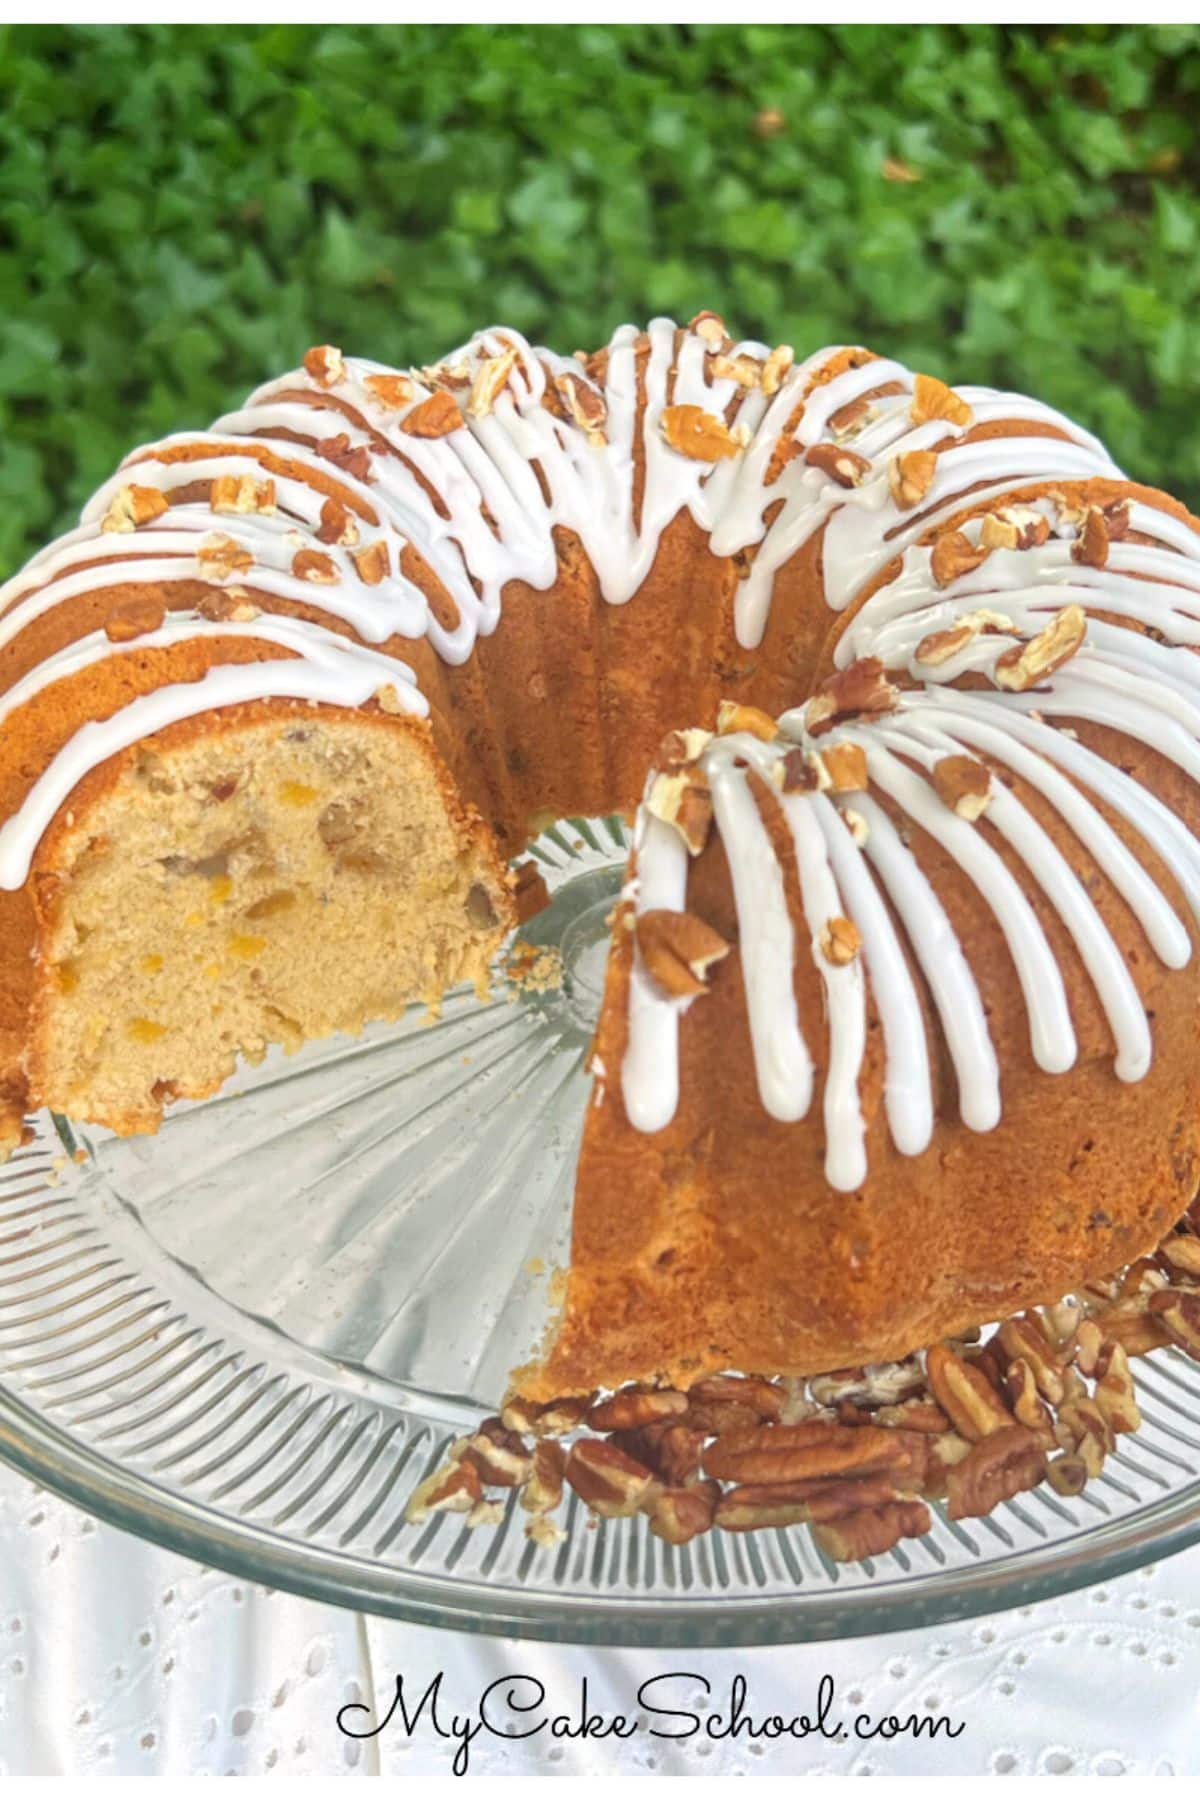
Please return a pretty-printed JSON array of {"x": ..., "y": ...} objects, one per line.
[{"x": 856, "y": 1454}]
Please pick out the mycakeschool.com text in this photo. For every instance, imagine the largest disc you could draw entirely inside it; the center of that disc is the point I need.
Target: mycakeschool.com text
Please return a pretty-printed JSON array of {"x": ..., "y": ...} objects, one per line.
[{"x": 520, "y": 1709}]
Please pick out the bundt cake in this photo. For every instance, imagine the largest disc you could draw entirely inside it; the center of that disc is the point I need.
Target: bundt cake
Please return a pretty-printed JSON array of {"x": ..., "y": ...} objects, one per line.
[{"x": 900, "y": 1024}]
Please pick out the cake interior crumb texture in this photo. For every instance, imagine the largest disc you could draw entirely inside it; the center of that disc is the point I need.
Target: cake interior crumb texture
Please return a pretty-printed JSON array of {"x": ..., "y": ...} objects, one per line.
[{"x": 262, "y": 884}]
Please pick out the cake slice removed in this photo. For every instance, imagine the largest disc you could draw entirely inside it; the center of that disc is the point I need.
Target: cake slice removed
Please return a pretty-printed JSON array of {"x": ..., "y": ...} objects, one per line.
[{"x": 262, "y": 874}]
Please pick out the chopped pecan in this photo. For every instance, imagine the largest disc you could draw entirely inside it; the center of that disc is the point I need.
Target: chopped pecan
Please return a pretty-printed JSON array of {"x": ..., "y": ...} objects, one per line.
[
  {"x": 324, "y": 365},
  {"x": 732, "y": 716},
  {"x": 1082, "y": 1424},
  {"x": 965, "y": 1394},
  {"x": 953, "y": 555},
  {"x": 491, "y": 378},
  {"x": 1114, "y": 1394},
  {"x": 609, "y": 1482},
  {"x": 932, "y": 399},
  {"x": 338, "y": 524},
  {"x": 435, "y": 417},
  {"x": 558, "y": 1418},
  {"x": 633, "y": 1407},
  {"x": 133, "y": 506},
  {"x": 711, "y": 327},
  {"x": 1067, "y": 1473},
  {"x": 963, "y": 784},
  {"x": 1007, "y": 1462},
  {"x": 678, "y": 950},
  {"x": 133, "y": 620},
  {"x": 862, "y": 688},
  {"x": 745, "y": 371},
  {"x": 873, "y": 1533},
  {"x": 242, "y": 494},
  {"x": 220, "y": 556},
  {"x": 671, "y": 1448},
  {"x": 678, "y": 1514},
  {"x": 910, "y": 477},
  {"x": 1024, "y": 1337},
  {"x": 839, "y": 941},
  {"x": 681, "y": 797},
  {"x": 315, "y": 565},
  {"x": 389, "y": 391},
  {"x": 1178, "y": 1312},
  {"x": 373, "y": 562},
  {"x": 1014, "y": 528},
  {"x": 1028, "y": 1407},
  {"x": 585, "y": 404},
  {"x": 1024, "y": 665},
  {"x": 234, "y": 603},
  {"x": 1089, "y": 1341},
  {"x": 846, "y": 467},
  {"x": 775, "y": 368},
  {"x": 920, "y": 1414},
  {"x": 519, "y": 1414},
  {"x": 1091, "y": 546},
  {"x": 701, "y": 435},
  {"x": 355, "y": 459},
  {"x": 499, "y": 1456},
  {"x": 844, "y": 767},
  {"x": 939, "y": 646},
  {"x": 1181, "y": 1254},
  {"x": 544, "y": 1489},
  {"x": 455, "y": 1487},
  {"x": 876, "y": 1384},
  {"x": 680, "y": 748}
]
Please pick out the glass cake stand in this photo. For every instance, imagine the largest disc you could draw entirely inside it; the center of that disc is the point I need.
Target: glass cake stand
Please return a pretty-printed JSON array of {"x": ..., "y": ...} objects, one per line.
[{"x": 249, "y": 1337}]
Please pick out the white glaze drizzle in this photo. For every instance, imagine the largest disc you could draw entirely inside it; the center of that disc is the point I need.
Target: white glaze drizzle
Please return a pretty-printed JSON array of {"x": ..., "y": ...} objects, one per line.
[{"x": 506, "y": 479}]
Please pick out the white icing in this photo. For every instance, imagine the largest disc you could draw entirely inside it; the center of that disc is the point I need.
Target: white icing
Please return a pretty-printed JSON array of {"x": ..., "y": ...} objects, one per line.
[{"x": 478, "y": 510}]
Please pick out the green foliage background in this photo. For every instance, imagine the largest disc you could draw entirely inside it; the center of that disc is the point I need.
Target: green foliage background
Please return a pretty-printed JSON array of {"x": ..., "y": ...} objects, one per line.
[{"x": 184, "y": 209}]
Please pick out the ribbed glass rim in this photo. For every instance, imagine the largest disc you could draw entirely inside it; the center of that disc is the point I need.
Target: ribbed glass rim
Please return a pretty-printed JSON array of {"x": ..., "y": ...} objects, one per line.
[{"x": 904, "y": 1603}]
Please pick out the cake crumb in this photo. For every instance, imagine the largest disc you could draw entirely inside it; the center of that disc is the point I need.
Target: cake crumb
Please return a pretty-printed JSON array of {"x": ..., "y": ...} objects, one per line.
[{"x": 534, "y": 968}]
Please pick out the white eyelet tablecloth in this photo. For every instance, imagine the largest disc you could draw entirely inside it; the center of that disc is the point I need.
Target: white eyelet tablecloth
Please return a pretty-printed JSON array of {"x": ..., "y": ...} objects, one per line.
[{"x": 120, "y": 1659}]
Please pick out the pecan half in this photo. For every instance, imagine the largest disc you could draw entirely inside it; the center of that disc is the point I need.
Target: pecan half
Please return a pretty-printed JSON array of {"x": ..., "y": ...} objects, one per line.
[
  {"x": 965, "y": 1395},
  {"x": 611, "y": 1483},
  {"x": 678, "y": 1514},
  {"x": 872, "y": 1533},
  {"x": 815, "y": 1448},
  {"x": 752, "y": 1391},
  {"x": 1028, "y": 1407},
  {"x": 1008, "y": 1462},
  {"x": 633, "y": 1407}
]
